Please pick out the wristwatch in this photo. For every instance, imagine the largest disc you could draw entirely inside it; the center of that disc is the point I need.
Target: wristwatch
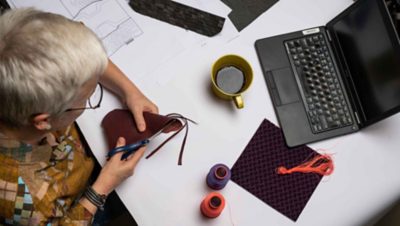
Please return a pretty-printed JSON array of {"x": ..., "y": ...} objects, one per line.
[{"x": 95, "y": 198}]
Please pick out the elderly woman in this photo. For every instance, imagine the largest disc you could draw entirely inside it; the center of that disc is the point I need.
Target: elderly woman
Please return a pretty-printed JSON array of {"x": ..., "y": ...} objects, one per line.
[{"x": 51, "y": 69}]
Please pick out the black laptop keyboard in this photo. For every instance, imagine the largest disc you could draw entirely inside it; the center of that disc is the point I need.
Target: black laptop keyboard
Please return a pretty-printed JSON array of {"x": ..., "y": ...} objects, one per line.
[{"x": 323, "y": 96}]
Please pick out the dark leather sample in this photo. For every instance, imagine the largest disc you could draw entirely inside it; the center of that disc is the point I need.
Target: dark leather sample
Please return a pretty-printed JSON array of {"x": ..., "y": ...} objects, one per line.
[
  {"x": 245, "y": 12},
  {"x": 120, "y": 123},
  {"x": 256, "y": 171},
  {"x": 180, "y": 15}
]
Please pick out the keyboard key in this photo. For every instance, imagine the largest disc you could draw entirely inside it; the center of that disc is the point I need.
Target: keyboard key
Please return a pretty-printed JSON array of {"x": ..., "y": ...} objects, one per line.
[
  {"x": 304, "y": 42},
  {"x": 323, "y": 121},
  {"x": 314, "y": 121}
]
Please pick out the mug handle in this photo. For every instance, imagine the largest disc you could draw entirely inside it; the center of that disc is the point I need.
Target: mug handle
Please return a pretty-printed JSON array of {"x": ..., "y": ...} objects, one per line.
[{"x": 238, "y": 101}]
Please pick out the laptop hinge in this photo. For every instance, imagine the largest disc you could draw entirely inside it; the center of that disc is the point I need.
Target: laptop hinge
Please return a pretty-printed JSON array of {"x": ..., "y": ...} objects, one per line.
[
  {"x": 329, "y": 35},
  {"x": 357, "y": 118}
]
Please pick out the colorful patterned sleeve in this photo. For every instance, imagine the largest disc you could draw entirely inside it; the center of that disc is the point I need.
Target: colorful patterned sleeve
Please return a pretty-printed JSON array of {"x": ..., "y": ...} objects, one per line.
[
  {"x": 41, "y": 185},
  {"x": 77, "y": 215}
]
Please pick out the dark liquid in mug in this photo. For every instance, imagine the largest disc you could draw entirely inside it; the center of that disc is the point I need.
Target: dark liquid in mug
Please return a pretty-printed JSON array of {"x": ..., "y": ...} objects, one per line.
[{"x": 230, "y": 79}]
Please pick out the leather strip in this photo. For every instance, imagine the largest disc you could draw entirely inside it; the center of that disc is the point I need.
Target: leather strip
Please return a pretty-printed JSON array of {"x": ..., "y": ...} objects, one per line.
[{"x": 185, "y": 120}]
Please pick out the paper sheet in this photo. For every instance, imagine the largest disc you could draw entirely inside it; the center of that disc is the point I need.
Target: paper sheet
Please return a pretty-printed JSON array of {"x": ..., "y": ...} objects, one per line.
[{"x": 137, "y": 43}]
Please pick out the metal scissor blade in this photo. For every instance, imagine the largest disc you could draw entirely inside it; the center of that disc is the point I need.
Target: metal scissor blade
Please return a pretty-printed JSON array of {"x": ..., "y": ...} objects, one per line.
[
  {"x": 145, "y": 141},
  {"x": 161, "y": 130}
]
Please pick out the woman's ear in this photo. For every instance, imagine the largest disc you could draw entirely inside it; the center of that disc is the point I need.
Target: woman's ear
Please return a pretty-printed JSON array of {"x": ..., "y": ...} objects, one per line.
[{"x": 41, "y": 121}]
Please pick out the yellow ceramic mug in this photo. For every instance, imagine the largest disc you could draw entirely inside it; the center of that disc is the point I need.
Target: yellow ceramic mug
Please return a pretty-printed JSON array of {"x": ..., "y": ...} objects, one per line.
[{"x": 231, "y": 75}]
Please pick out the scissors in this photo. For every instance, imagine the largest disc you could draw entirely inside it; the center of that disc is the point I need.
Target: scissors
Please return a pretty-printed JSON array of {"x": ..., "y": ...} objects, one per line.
[{"x": 132, "y": 148}]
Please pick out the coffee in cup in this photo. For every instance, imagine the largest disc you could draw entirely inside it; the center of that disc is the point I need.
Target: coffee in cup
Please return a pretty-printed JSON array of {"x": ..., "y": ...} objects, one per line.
[{"x": 231, "y": 76}]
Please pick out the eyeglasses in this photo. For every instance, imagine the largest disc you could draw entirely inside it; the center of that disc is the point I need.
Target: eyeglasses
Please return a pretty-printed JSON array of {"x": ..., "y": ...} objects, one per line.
[{"x": 94, "y": 100}]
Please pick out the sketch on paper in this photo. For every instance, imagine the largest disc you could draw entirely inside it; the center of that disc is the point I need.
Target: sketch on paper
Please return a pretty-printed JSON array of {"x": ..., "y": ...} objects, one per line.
[{"x": 116, "y": 29}]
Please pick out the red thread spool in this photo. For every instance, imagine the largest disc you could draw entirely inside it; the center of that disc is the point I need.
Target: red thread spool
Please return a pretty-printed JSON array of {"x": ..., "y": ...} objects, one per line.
[{"x": 212, "y": 205}]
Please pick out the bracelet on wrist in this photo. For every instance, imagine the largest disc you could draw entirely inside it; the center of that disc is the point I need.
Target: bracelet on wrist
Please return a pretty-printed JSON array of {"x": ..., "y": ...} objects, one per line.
[{"x": 96, "y": 199}]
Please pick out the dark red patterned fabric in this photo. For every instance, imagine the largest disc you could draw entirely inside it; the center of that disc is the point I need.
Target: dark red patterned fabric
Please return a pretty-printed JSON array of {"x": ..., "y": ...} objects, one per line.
[{"x": 255, "y": 171}]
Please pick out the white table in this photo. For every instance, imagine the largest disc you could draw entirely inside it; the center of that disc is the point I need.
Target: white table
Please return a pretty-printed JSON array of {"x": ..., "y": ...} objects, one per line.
[{"x": 365, "y": 180}]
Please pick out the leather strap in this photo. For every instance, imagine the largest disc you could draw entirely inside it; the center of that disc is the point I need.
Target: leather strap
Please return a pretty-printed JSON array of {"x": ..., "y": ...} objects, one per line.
[{"x": 175, "y": 116}]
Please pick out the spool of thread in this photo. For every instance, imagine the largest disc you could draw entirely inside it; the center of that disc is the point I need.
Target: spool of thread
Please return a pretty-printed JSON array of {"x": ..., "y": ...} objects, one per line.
[
  {"x": 212, "y": 205},
  {"x": 218, "y": 176}
]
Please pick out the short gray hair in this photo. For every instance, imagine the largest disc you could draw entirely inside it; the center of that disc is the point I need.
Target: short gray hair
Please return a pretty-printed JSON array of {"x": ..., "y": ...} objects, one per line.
[{"x": 44, "y": 60}]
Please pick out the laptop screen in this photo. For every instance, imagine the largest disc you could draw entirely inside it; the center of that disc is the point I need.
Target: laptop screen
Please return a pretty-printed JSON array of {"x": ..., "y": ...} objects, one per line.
[{"x": 371, "y": 50}]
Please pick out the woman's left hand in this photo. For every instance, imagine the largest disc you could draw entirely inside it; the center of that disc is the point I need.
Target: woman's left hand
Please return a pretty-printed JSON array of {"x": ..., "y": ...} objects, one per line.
[
  {"x": 116, "y": 81},
  {"x": 137, "y": 104}
]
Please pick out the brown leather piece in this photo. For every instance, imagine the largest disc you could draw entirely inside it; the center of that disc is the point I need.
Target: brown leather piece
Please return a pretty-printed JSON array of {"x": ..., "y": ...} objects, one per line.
[{"x": 120, "y": 123}]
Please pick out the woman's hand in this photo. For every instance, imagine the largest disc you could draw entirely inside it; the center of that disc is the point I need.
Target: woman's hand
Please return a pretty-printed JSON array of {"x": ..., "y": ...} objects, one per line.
[
  {"x": 137, "y": 104},
  {"x": 116, "y": 81},
  {"x": 115, "y": 171}
]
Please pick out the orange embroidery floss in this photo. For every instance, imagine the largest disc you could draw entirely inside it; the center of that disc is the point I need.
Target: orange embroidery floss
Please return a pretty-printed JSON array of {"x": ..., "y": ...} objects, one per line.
[
  {"x": 212, "y": 205},
  {"x": 320, "y": 164}
]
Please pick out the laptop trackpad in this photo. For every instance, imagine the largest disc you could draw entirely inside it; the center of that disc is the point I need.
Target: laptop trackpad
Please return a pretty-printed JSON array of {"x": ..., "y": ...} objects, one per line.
[{"x": 286, "y": 86}]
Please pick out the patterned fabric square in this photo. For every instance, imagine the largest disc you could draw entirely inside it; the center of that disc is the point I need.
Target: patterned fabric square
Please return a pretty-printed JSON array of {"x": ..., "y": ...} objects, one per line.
[
  {"x": 24, "y": 221},
  {"x": 2, "y": 184},
  {"x": 42, "y": 191},
  {"x": 17, "y": 218},
  {"x": 9, "y": 221},
  {"x": 255, "y": 171},
  {"x": 10, "y": 195},
  {"x": 180, "y": 15},
  {"x": 11, "y": 187},
  {"x": 21, "y": 189},
  {"x": 19, "y": 204},
  {"x": 244, "y": 12},
  {"x": 27, "y": 198},
  {"x": 27, "y": 206},
  {"x": 25, "y": 213},
  {"x": 18, "y": 211}
]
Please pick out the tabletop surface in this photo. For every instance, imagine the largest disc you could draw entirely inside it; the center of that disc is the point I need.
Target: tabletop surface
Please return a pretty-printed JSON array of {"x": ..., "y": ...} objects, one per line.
[{"x": 365, "y": 180}]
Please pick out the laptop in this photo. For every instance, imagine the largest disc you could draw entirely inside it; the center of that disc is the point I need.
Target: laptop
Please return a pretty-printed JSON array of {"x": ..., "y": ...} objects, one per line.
[{"x": 336, "y": 79}]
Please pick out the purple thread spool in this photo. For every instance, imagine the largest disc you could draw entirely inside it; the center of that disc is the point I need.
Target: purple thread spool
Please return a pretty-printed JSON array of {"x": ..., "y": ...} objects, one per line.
[{"x": 218, "y": 176}]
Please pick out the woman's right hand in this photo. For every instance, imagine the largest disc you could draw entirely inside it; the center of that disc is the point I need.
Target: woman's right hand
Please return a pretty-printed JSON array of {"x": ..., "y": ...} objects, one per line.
[{"x": 116, "y": 170}]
